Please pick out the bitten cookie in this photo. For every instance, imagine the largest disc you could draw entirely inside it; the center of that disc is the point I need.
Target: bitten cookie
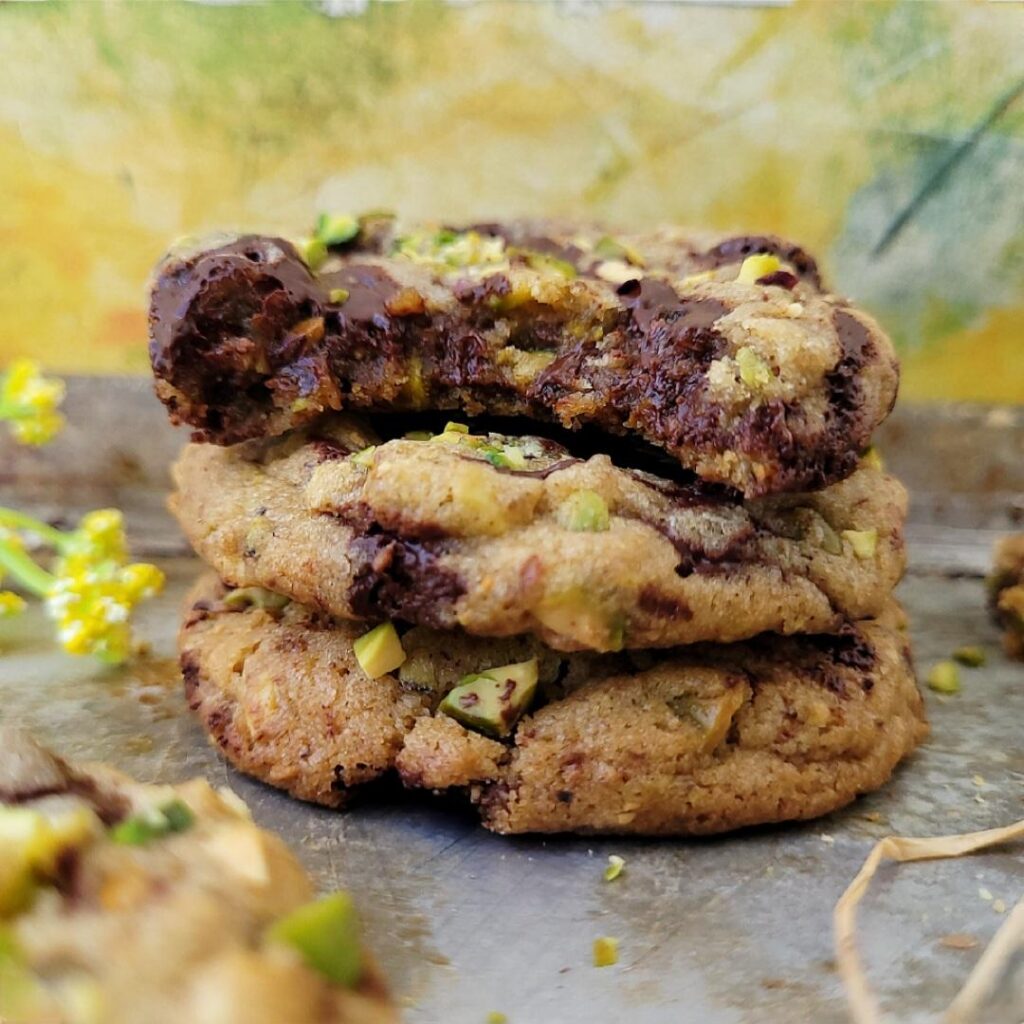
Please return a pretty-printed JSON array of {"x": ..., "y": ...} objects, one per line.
[{"x": 725, "y": 352}]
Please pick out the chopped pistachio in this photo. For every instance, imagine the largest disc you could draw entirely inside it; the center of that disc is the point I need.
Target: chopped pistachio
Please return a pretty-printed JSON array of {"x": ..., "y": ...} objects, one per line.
[
  {"x": 364, "y": 457},
  {"x": 872, "y": 458},
  {"x": 757, "y": 266},
  {"x": 493, "y": 701},
  {"x": 312, "y": 251},
  {"x": 456, "y": 428},
  {"x": 515, "y": 456},
  {"x": 451, "y": 249},
  {"x": 754, "y": 371},
  {"x": 338, "y": 295},
  {"x": 30, "y": 843},
  {"x": 326, "y": 935},
  {"x": 542, "y": 261},
  {"x": 418, "y": 435},
  {"x": 379, "y": 651},
  {"x": 944, "y": 677},
  {"x": 495, "y": 456},
  {"x": 584, "y": 511},
  {"x": 255, "y": 597},
  {"x": 614, "y": 869},
  {"x": 606, "y": 951},
  {"x": 497, "y": 1017},
  {"x": 972, "y": 657},
  {"x": 153, "y": 823},
  {"x": 336, "y": 229},
  {"x": 610, "y": 249},
  {"x": 864, "y": 542}
]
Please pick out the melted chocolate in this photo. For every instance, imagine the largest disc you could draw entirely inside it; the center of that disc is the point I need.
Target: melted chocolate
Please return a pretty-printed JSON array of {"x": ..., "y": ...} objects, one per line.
[{"x": 397, "y": 578}]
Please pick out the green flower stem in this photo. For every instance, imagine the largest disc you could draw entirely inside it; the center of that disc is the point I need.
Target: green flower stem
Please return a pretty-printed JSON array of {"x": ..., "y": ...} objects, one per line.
[
  {"x": 15, "y": 520},
  {"x": 14, "y": 411},
  {"x": 31, "y": 576}
]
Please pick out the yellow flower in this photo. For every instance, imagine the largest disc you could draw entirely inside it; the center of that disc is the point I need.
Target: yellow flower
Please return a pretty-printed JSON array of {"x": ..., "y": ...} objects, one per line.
[
  {"x": 92, "y": 606},
  {"x": 99, "y": 538},
  {"x": 10, "y": 604},
  {"x": 29, "y": 401}
]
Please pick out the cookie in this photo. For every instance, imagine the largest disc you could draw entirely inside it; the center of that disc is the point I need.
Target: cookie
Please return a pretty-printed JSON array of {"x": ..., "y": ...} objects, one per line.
[
  {"x": 499, "y": 536},
  {"x": 690, "y": 741},
  {"x": 725, "y": 352},
  {"x": 123, "y": 902},
  {"x": 1006, "y": 592}
]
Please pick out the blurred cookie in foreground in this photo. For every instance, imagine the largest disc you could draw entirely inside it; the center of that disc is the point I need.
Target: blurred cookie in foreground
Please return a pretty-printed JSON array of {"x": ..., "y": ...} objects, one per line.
[
  {"x": 1006, "y": 592},
  {"x": 688, "y": 741},
  {"x": 122, "y": 902}
]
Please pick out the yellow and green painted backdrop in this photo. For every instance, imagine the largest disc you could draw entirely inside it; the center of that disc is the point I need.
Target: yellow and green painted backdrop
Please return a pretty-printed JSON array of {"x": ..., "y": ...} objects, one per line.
[{"x": 887, "y": 137}]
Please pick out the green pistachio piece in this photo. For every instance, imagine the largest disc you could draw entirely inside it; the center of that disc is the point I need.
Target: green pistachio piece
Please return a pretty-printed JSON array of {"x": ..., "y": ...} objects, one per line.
[
  {"x": 153, "y": 823},
  {"x": 606, "y": 951},
  {"x": 615, "y": 866},
  {"x": 542, "y": 262},
  {"x": 336, "y": 228},
  {"x": 754, "y": 371},
  {"x": 379, "y": 651},
  {"x": 493, "y": 701},
  {"x": 944, "y": 677},
  {"x": 456, "y": 428},
  {"x": 325, "y": 933},
  {"x": 515, "y": 457},
  {"x": 864, "y": 542},
  {"x": 30, "y": 844},
  {"x": 338, "y": 295},
  {"x": 609, "y": 248},
  {"x": 757, "y": 266},
  {"x": 255, "y": 597},
  {"x": 418, "y": 435},
  {"x": 312, "y": 251},
  {"x": 972, "y": 657},
  {"x": 584, "y": 511},
  {"x": 364, "y": 457}
]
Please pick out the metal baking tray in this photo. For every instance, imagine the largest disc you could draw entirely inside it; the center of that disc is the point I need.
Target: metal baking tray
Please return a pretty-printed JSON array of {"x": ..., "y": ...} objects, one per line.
[{"x": 718, "y": 931}]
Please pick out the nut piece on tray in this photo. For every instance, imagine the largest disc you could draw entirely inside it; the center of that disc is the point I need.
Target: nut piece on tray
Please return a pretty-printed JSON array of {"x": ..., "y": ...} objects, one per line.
[
  {"x": 1006, "y": 592},
  {"x": 122, "y": 902},
  {"x": 725, "y": 352}
]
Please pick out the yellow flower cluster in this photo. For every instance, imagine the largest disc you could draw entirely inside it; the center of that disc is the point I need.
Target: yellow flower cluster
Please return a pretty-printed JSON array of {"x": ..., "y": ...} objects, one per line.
[
  {"x": 29, "y": 402},
  {"x": 94, "y": 592},
  {"x": 91, "y": 592}
]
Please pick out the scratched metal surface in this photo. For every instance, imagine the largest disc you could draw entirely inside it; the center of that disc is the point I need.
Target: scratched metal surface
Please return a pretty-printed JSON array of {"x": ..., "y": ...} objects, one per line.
[{"x": 726, "y": 931}]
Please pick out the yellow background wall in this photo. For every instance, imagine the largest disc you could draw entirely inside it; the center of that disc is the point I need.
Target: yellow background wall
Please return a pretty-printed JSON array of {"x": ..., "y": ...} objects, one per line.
[{"x": 123, "y": 126}]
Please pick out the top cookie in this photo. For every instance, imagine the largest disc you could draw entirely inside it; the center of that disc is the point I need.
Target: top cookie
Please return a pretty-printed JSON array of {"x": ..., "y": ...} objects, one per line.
[{"x": 726, "y": 352}]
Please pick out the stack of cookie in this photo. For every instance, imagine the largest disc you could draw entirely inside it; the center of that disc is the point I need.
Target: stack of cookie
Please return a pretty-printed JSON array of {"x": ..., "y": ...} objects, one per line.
[{"x": 579, "y": 525}]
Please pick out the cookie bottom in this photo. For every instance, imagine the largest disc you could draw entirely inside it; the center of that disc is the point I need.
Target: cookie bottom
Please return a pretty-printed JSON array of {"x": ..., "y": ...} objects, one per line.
[{"x": 691, "y": 741}]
